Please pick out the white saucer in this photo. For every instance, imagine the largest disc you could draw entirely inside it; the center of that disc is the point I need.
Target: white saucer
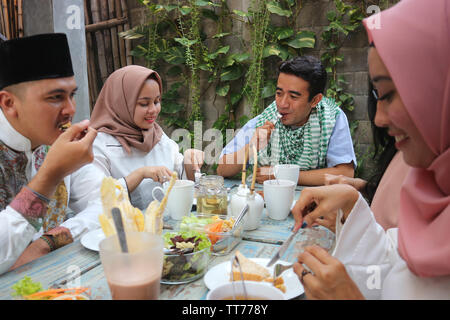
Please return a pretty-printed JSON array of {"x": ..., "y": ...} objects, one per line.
[{"x": 92, "y": 239}]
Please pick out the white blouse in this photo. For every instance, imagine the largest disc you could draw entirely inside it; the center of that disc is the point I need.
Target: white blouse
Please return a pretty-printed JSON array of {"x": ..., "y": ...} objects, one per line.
[
  {"x": 114, "y": 161},
  {"x": 371, "y": 258}
]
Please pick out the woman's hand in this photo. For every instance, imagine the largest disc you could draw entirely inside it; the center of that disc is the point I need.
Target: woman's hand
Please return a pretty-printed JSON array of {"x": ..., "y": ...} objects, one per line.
[
  {"x": 328, "y": 280},
  {"x": 356, "y": 183},
  {"x": 156, "y": 173},
  {"x": 193, "y": 161},
  {"x": 326, "y": 200}
]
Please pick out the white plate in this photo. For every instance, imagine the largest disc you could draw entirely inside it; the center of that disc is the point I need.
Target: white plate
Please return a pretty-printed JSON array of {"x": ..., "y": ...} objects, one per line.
[
  {"x": 220, "y": 274},
  {"x": 92, "y": 239}
]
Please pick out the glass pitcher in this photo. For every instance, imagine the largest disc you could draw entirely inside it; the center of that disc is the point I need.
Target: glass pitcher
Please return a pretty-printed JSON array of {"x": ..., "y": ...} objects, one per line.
[{"x": 211, "y": 196}]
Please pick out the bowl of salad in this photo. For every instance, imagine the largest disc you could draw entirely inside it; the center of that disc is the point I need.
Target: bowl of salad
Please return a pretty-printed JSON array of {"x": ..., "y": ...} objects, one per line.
[
  {"x": 186, "y": 256},
  {"x": 219, "y": 229}
]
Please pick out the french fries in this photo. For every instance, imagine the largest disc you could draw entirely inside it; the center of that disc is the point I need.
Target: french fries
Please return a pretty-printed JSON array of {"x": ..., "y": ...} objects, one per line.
[{"x": 114, "y": 195}]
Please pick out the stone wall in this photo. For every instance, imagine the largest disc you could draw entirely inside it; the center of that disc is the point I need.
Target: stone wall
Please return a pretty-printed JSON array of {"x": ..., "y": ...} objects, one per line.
[{"x": 354, "y": 68}]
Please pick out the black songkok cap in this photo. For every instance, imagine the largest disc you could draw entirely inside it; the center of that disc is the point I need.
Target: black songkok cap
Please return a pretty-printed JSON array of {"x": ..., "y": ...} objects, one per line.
[{"x": 43, "y": 56}]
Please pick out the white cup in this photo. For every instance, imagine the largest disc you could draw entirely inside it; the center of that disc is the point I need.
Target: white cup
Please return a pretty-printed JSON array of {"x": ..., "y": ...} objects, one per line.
[
  {"x": 181, "y": 197},
  {"x": 287, "y": 172},
  {"x": 278, "y": 196},
  {"x": 255, "y": 290}
]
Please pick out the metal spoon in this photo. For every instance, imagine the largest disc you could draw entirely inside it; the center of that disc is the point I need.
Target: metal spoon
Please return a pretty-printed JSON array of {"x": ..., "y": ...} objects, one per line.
[
  {"x": 117, "y": 217},
  {"x": 235, "y": 260}
]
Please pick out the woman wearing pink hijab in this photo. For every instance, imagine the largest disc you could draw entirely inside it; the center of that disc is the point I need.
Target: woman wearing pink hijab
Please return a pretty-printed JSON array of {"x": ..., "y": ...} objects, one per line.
[
  {"x": 409, "y": 66},
  {"x": 130, "y": 145}
]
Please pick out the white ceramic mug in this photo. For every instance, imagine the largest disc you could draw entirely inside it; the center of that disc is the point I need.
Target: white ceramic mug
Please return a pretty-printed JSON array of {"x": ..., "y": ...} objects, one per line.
[
  {"x": 278, "y": 196},
  {"x": 287, "y": 172},
  {"x": 181, "y": 197}
]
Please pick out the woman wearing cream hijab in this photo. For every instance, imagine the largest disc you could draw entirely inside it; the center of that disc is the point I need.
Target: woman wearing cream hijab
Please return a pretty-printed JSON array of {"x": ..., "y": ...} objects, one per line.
[
  {"x": 130, "y": 145},
  {"x": 409, "y": 66}
]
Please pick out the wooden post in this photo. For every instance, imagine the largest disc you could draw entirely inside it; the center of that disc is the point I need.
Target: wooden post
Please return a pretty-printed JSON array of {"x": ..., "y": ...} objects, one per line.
[
  {"x": 114, "y": 43},
  {"x": 106, "y": 36},
  {"x": 92, "y": 71},
  {"x": 20, "y": 17},
  {"x": 123, "y": 58},
  {"x": 2, "y": 21},
  {"x": 127, "y": 27},
  {"x": 6, "y": 18},
  {"x": 100, "y": 42}
]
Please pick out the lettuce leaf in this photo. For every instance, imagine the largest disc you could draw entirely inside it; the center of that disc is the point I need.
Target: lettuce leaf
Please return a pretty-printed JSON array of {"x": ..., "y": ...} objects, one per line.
[{"x": 25, "y": 287}]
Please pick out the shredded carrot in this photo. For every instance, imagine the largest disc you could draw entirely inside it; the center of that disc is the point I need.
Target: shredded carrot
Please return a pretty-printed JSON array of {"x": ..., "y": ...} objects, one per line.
[
  {"x": 54, "y": 293},
  {"x": 214, "y": 227}
]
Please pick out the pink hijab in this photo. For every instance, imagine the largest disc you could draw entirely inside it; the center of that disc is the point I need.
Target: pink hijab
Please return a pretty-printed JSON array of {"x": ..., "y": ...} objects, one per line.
[
  {"x": 114, "y": 110},
  {"x": 414, "y": 44}
]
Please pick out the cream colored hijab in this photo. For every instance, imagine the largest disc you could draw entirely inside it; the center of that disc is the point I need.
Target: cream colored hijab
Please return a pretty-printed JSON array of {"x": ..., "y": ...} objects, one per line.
[
  {"x": 414, "y": 44},
  {"x": 114, "y": 111}
]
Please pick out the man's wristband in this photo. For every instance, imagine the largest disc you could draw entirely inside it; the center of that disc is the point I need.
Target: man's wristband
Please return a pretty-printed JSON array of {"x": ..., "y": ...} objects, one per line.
[{"x": 48, "y": 239}]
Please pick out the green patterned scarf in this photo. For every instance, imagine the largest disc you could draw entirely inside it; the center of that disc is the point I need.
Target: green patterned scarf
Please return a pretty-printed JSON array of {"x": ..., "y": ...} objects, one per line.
[{"x": 306, "y": 146}]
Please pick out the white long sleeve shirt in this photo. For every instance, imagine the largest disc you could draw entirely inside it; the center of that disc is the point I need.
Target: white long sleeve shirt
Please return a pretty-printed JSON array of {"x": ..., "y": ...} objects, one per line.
[
  {"x": 114, "y": 161},
  {"x": 83, "y": 188},
  {"x": 371, "y": 258}
]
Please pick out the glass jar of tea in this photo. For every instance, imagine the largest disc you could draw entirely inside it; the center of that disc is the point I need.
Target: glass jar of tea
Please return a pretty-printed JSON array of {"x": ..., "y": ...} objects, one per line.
[{"x": 211, "y": 196}]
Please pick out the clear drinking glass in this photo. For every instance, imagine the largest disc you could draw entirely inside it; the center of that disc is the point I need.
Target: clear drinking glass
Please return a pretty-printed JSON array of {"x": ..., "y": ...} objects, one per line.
[{"x": 136, "y": 274}]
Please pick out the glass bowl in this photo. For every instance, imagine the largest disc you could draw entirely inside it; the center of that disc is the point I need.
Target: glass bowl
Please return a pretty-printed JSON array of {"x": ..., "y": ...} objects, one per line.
[
  {"x": 222, "y": 242},
  {"x": 181, "y": 268}
]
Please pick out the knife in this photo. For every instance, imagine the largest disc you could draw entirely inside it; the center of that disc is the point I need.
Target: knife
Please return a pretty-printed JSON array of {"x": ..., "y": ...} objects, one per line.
[{"x": 282, "y": 249}]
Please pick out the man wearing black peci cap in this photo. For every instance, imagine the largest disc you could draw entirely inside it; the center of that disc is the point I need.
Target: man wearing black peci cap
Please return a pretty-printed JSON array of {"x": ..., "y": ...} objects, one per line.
[{"x": 37, "y": 88}]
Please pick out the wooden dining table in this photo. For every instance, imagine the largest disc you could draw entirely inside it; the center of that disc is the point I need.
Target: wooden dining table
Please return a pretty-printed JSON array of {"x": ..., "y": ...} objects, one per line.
[{"x": 75, "y": 265}]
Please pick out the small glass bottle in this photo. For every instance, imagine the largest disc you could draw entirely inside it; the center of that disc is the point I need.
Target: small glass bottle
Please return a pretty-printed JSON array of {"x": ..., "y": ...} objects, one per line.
[{"x": 211, "y": 196}]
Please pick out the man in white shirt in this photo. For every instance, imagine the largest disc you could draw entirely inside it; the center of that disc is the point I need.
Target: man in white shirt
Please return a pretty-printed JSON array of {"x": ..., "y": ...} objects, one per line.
[{"x": 37, "y": 88}]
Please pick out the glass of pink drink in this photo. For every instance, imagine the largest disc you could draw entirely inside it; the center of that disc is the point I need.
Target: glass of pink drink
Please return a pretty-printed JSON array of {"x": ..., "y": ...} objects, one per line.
[{"x": 136, "y": 274}]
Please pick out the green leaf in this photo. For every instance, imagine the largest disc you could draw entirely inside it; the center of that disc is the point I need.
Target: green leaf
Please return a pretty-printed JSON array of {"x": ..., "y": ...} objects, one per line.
[
  {"x": 331, "y": 15},
  {"x": 185, "y": 41},
  {"x": 174, "y": 71},
  {"x": 283, "y": 32},
  {"x": 222, "y": 89},
  {"x": 241, "y": 57},
  {"x": 185, "y": 10},
  {"x": 232, "y": 73},
  {"x": 304, "y": 39},
  {"x": 202, "y": 3},
  {"x": 235, "y": 98},
  {"x": 222, "y": 50},
  {"x": 268, "y": 90},
  {"x": 131, "y": 34},
  {"x": 228, "y": 61},
  {"x": 174, "y": 55},
  {"x": 171, "y": 107},
  {"x": 139, "y": 51},
  {"x": 275, "y": 7},
  {"x": 243, "y": 120},
  {"x": 221, "y": 35},
  {"x": 275, "y": 50},
  {"x": 240, "y": 13},
  {"x": 208, "y": 13},
  {"x": 337, "y": 26},
  {"x": 170, "y": 7}
]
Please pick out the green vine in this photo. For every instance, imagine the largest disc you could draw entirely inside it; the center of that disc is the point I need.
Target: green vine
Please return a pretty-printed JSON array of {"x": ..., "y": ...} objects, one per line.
[{"x": 343, "y": 21}]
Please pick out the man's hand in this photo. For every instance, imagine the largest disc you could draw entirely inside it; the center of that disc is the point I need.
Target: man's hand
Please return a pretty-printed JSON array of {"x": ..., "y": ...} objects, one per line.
[
  {"x": 263, "y": 174},
  {"x": 356, "y": 183},
  {"x": 71, "y": 151},
  {"x": 261, "y": 136},
  {"x": 328, "y": 280}
]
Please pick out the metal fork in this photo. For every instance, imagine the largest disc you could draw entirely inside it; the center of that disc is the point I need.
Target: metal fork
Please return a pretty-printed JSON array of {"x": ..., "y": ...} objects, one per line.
[
  {"x": 234, "y": 260},
  {"x": 278, "y": 269}
]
